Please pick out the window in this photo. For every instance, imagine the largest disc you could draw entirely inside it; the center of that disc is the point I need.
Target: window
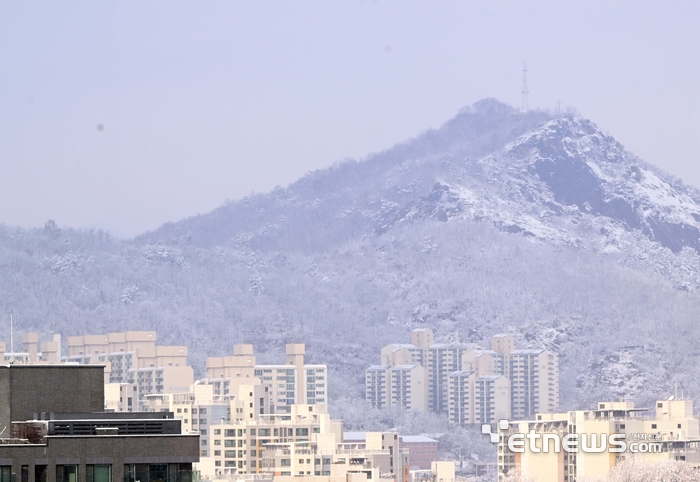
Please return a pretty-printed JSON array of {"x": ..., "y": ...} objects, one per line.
[
  {"x": 66, "y": 473},
  {"x": 252, "y": 431},
  {"x": 286, "y": 462},
  {"x": 6, "y": 473},
  {"x": 229, "y": 443},
  {"x": 653, "y": 425},
  {"x": 217, "y": 431},
  {"x": 302, "y": 432},
  {"x": 230, "y": 454},
  {"x": 217, "y": 453},
  {"x": 203, "y": 411},
  {"x": 217, "y": 442},
  {"x": 40, "y": 473},
  {"x": 203, "y": 431},
  {"x": 230, "y": 433}
]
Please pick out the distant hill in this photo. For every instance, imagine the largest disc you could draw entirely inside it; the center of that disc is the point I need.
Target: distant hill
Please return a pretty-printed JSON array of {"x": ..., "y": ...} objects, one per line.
[{"x": 498, "y": 221}]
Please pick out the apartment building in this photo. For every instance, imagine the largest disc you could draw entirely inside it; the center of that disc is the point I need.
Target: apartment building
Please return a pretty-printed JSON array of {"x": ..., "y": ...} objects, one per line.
[
  {"x": 377, "y": 383},
  {"x": 289, "y": 384},
  {"x": 33, "y": 352},
  {"x": 304, "y": 443},
  {"x": 132, "y": 357},
  {"x": 512, "y": 383},
  {"x": 669, "y": 433},
  {"x": 534, "y": 376},
  {"x": 121, "y": 397},
  {"x": 478, "y": 399},
  {"x": 237, "y": 447},
  {"x": 199, "y": 409},
  {"x": 400, "y": 385}
]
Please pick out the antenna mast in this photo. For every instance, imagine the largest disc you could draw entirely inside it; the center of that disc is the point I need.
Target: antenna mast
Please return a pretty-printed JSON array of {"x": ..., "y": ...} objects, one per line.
[
  {"x": 12, "y": 340},
  {"x": 525, "y": 106}
]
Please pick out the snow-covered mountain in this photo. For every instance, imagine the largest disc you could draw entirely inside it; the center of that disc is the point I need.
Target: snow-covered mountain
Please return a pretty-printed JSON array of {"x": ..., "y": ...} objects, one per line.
[{"x": 499, "y": 220}]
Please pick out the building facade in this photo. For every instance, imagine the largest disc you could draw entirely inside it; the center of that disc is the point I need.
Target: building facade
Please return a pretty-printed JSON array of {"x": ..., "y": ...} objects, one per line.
[{"x": 422, "y": 450}]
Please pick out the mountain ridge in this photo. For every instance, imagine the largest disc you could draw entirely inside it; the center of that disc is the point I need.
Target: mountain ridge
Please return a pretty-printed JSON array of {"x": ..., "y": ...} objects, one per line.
[{"x": 499, "y": 221}]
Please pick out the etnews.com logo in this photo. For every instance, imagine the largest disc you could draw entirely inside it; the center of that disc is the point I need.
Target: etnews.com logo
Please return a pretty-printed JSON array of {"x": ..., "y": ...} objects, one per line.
[{"x": 574, "y": 442}]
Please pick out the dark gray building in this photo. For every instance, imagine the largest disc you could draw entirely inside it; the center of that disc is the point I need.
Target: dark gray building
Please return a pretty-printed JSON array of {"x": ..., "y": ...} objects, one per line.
[{"x": 53, "y": 428}]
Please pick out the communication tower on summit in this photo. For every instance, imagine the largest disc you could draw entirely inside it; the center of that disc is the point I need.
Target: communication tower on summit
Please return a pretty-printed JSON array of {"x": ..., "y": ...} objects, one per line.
[{"x": 525, "y": 106}]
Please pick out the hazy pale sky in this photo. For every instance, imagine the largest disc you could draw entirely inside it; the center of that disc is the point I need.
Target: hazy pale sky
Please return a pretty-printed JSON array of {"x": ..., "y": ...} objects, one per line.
[{"x": 125, "y": 115}]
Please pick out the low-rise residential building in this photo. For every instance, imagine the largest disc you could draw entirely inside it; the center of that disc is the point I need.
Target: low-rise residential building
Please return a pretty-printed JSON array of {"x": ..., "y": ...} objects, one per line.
[{"x": 422, "y": 450}]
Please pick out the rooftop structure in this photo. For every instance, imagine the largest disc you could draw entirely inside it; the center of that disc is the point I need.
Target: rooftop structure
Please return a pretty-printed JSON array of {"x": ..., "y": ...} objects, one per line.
[{"x": 55, "y": 428}]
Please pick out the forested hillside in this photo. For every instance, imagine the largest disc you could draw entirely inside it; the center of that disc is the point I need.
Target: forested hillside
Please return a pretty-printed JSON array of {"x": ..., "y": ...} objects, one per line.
[{"x": 498, "y": 221}]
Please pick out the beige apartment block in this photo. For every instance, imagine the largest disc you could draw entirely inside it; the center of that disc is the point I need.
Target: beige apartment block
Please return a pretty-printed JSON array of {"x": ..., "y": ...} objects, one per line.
[
  {"x": 399, "y": 385},
  {"x": 491, "y": 399},
  {"x": 532, "y": 377},
  {"x": 478, "y": 399},
  {"x": 672, "y": 430},
  {"x": 302, "y": 444},
  {"x": 443, "y": 471},
  {"x": 377, "y": 385},
  {"x": 33, "y": 352},
  {"x": 237, "y": 447},
  {"x": 130, "y": 358},
  {"x": 121, "y": 397},
  {"x": 289, "y": 384}
]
